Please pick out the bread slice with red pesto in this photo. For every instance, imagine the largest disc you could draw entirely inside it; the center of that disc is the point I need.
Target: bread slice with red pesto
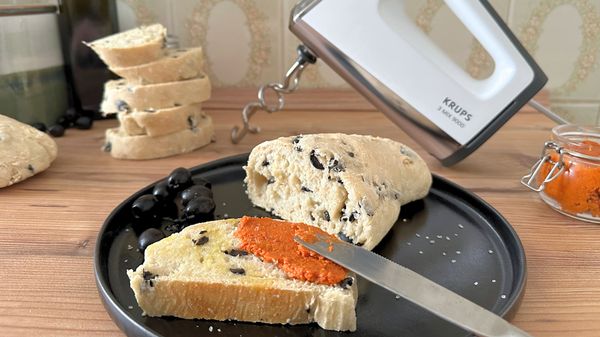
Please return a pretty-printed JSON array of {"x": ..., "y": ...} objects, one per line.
[{"x": 201, "y": 272}]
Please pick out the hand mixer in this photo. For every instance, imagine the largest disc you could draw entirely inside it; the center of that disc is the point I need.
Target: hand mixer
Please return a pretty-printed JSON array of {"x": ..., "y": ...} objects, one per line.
[{"x": 378, "y": 49}]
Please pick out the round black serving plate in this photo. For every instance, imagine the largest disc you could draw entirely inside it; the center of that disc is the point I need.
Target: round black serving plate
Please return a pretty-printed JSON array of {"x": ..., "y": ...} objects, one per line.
[{"x": 452, "y": 237}]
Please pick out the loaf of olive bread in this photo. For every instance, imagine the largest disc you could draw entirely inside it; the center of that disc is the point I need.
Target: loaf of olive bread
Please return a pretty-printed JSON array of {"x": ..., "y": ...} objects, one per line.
[
  {"x": 133, "y": 47},
  {"x": 160, "y": 122},
  {"x": 349, "y": 185},
  {"x": 119, "y": 95},
  {"x": 122, "y": 146},
  {"x": 200, "y": 273},
  {"x": 175, "y": 65},
  {"x": 24, "y": 151}
]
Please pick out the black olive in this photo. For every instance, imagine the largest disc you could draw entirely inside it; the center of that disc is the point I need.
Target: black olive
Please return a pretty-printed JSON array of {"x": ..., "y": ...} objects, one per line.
[
  {"x": 236, "y": 252},
  {"x": 63, "y": 121},
  {"x": 56, "y": 130},
  {"x": 40, "y": 126},
  {"x": 199, "y": 209},
  {"x": 335, "y": 166},
  {"x": 148, "y": 275},
  {"x": 148, "y": 237},
  {"x": 200, "y": 241},
  {"x": 107, "y": 147},
  {"x": 201, "y": 181},
  {"x": 346, "y": 283},
  {"x": 71, "y": 115},
  {"x": 238, "y": 271},
  {"x": 344, "y": 237},
  {"x": 315, "y": 161},
  {"x": 121, "y": 105},
  {"x": 161, "y": 191},
  {"x": 145, "y": 207},
  {"x": 191, "y": 122},
  {"x": 179, "y": 179},
  {"x": 194, "y": 192},
  {"x": 84, "y": 123}
]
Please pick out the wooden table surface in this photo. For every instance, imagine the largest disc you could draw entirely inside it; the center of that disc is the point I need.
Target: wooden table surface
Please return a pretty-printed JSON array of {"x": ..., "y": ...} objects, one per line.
[{"x": 49, "y": 223}]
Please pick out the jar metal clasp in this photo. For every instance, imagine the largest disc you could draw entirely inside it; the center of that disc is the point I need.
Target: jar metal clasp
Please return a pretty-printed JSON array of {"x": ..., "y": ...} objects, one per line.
[{"x": 531, "y": 180}]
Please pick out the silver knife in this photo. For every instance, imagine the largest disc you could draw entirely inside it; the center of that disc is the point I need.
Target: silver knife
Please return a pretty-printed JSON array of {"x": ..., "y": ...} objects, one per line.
[{"x": 415, "y": 288}]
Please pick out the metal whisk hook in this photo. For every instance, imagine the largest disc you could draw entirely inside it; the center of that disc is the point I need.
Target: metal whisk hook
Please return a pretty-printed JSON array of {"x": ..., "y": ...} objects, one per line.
[
  {"x": 236, "y": 133},
  {"x": 289, "y": 85}
]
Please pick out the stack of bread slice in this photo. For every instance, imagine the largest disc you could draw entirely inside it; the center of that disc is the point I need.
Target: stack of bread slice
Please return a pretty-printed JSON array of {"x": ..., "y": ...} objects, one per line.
[{"x": 158, "y": 99}]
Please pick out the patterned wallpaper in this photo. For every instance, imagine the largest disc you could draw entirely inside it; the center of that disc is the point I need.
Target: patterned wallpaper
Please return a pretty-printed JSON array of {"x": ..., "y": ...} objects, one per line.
[{"x": 247, "y": 42}]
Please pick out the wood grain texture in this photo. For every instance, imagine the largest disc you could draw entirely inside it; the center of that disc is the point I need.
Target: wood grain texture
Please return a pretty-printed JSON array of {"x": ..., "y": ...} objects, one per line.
[{"x": 49, "y": 223}]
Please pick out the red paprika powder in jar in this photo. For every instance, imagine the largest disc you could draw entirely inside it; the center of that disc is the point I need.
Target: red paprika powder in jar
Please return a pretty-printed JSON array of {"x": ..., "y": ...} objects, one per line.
[{"x": 568, "y": 173}]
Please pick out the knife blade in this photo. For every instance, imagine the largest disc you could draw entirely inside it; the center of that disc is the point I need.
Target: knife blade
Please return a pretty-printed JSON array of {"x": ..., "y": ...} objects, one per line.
[{"x": 414, "y": 287}]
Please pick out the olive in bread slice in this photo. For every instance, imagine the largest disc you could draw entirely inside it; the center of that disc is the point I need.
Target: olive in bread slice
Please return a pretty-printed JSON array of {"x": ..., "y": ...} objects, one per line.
[
  {"x": 132, "y": 47},
  {"x": 201, "y": 272},
  {"x": 348, "y": 185}
]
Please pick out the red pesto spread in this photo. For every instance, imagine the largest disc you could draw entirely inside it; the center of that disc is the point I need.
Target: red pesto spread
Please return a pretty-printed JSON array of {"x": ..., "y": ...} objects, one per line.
[
  {"x": 273, "y": 241},
  {"x": 577, "y": 188}
]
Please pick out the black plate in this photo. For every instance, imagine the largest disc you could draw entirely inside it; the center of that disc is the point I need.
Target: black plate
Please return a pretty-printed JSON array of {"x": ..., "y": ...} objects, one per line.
[{"x": 451, "y": 237}]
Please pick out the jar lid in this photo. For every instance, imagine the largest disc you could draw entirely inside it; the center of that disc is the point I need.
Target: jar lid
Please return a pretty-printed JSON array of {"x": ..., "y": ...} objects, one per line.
[
  {"x": 27, "y": 10},
  {"x": 567, "y": 140}
]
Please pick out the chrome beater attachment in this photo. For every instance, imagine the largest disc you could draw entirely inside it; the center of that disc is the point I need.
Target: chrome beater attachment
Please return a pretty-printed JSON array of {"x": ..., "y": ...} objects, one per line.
[{"x": 289, "y": 85}]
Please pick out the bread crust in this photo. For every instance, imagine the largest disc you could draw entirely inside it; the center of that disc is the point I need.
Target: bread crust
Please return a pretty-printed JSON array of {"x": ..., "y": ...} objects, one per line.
[{"x": 224, "y": 301}]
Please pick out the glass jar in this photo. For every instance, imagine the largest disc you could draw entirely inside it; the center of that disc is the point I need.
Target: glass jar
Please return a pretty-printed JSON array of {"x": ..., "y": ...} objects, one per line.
[
  {"x": 33, "y": 87},
  {"x": 567, "y": 176}
]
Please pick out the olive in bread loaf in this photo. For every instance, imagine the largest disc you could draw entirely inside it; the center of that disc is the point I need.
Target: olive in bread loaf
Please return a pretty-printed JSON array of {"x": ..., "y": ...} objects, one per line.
[
  {"x": 122, "y": 146},
  {"x": 175, "y": 65},
  {"x": 349, "y": 185},
  {"x": 156, "y": 123},
  {"x": 200, "y": 272},
  {"x": 132, "y": 47},
  {"x": 120, "y": 95}
]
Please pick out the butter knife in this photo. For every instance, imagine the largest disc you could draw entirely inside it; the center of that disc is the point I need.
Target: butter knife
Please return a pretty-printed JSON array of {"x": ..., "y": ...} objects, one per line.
[{"x": 415, "y": 288}]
